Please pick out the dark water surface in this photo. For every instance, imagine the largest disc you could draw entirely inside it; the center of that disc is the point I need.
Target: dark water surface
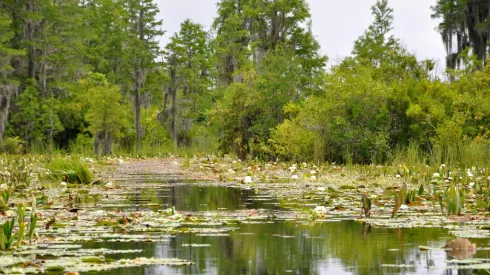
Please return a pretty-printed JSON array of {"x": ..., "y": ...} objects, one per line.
[
  {"x": 287, "y": 247},
  {"x": 194, "y": 198}
]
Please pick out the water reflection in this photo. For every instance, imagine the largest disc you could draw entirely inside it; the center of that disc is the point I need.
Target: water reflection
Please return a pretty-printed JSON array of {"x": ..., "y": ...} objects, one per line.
[
  {"x": 194, "y": 198},
  {"x": 460, "y": 249},
  {"x": 343, "y": 247}
]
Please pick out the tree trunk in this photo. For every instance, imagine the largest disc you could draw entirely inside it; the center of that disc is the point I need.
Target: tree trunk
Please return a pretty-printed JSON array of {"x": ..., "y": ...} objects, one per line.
[
  {"x": 6, "y": 92},
  {"x": 103, "y": 139},
  {"x": 173, "y": 112},
  {"x": 29, "y": 31},
  {"x": 107, "y": 144},
  {"x": 137, "y": 111}
]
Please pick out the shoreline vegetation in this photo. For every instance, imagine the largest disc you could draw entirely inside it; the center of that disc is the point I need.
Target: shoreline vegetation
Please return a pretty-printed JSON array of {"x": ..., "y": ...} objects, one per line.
[{"x": 241, "y": 88}]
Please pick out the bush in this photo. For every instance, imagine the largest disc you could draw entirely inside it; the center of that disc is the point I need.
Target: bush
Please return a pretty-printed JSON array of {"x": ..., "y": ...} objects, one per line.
[
  {"x": 293, "y": 142},
  {"x": 13, "y": 145}
]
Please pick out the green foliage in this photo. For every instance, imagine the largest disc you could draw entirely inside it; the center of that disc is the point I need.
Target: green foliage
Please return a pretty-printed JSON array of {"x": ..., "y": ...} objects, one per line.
[
  {"x": 374, "y": 45},
  {"x": 75, "y": 76},
  {"x": 6, "y": 236},
  {"x": 105, "y": 112},
  {"x": 454, "y": 200},
  {"x": 21, "y": 209},
  {"x": 189, "y": 94},
  {"x": 13, "y": 145},
  {"x": 16, "y": 171},
  {"x": 33, "y": 222},
  {"x": 4, "y": 198},
  {"x": 464, "y": 25},
  {"x": 292, "y": 142},
  {"x": 70, "y": 170}
]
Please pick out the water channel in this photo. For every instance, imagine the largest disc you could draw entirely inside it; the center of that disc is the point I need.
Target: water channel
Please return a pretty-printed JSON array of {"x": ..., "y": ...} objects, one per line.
[{"x": 285, "y": 246}]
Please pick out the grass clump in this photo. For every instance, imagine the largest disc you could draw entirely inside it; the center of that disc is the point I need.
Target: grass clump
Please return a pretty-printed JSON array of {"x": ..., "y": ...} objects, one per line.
[{"x": 70, "y": 170}]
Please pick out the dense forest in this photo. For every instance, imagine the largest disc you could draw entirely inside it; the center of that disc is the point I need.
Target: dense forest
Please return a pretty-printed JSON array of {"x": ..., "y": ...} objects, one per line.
[{"x": 89, "y": 76}]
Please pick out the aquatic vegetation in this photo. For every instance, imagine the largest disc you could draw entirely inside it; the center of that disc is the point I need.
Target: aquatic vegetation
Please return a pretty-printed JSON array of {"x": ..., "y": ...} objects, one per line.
[
  {"x": 400, "y": 198},
  {"x": 7, "y": 235},
  {"x": 5, "y": 197},
  {"x": 33, "y": 221},
  {"x": 70, "y": 170},
  {"x": 15, "y": 170},
  {"x": 366, "y": 205},
  {"x": 454, "y": 200}
]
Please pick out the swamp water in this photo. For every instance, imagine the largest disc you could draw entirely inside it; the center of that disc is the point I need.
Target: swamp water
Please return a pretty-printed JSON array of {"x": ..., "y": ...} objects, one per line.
[{"x": 287, "y": 246}]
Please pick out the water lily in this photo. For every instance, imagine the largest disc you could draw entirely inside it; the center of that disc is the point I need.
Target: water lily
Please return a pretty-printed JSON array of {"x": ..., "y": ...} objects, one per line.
[
  {"x": 248, "y": 179},
  {"x": 436, "y": 175},
  {"x": 321, "y": 210}
]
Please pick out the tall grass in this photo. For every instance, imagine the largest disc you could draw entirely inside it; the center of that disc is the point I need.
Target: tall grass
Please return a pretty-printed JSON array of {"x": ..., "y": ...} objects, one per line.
[
  {"x": 462, "y": 154},
  {"x": 69, "y": 169}
]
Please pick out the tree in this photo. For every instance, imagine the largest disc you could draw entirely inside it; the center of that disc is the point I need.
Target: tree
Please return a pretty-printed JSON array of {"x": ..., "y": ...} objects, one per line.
[
  {"x": 272, "y": 39},
  {"x": 188, "y": 93},
  {"x": 249, "y": 30},
  {"x": 8, "y": 86},
  {"x": 106, "y": 114},
  {"x": 465, "y": 25},
  {"x": 142, "y": 50},
  {"x": 376, "y": 42}
]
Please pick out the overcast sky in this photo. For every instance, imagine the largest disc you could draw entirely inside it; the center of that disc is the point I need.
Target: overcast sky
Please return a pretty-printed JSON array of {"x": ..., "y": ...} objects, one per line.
[{"x": 336, "y": 23}]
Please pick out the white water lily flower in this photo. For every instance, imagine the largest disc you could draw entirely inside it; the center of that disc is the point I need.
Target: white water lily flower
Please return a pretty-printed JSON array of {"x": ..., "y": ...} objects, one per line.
[
  {"x": 248, "y": 179},
  {"x": 398, "y": 176},
  {"x": 313, "y": 172},
  {"x": 64, "y": 183},
  {"x": 436, "y": 175},
  {"x": 472, "y": 184},
  {"x": 109, "y": 184},
  {"x": 313, "y": 177},
  {"x": 321, "y": 189},
  {"x": 321, "y": 210},
  {"x": 404, "y": 207}
]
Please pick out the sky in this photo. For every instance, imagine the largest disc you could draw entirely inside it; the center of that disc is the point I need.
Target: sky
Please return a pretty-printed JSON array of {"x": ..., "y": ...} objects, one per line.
[{"x": 336, "y": 24}]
